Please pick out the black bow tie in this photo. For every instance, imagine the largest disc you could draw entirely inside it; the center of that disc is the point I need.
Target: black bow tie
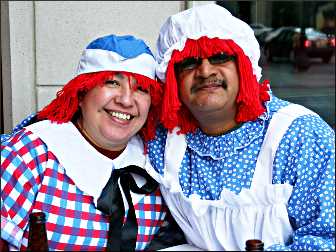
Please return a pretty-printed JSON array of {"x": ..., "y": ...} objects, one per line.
[{"x": 123, "y": 237}]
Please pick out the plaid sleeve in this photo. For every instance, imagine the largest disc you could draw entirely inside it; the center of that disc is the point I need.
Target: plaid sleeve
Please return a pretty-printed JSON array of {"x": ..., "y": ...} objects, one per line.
[
  {"x": 22, "y": 158},
  {"x": 28, "y": 120}
]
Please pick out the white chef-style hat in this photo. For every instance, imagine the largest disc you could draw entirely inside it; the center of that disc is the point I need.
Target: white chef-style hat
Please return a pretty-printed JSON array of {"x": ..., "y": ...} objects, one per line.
[{"x": 209, "y": 20}]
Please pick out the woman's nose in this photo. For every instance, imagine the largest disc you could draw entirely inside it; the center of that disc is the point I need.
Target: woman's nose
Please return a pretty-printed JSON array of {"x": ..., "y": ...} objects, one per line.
[
  {"x": 125, "y": 96},
  {"x": 205, "y": 69}
]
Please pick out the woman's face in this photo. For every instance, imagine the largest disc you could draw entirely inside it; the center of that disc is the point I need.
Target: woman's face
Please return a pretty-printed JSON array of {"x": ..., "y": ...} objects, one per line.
[{"x": 114, "y": 112}]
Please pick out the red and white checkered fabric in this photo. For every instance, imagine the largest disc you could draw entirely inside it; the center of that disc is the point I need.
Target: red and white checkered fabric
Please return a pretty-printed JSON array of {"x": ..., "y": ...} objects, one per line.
[{"x": 32, "y": 179}]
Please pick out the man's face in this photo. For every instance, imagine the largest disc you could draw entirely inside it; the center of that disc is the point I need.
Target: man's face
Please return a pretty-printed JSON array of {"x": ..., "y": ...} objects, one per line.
[
  {"x": 115, "y": 111},
  {"x": 209, "y": 87}
]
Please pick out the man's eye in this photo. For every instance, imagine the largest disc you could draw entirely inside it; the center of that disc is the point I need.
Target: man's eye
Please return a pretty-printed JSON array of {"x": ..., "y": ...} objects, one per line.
[
  {"x": 220, "y": 58},
  {"x": 112, "y": 83},
  {"x": 188, "y": 64}
]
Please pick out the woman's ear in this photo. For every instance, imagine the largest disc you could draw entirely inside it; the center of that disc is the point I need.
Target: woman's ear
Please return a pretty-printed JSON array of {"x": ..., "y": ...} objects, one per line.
[{"x": 81, "y": 95}]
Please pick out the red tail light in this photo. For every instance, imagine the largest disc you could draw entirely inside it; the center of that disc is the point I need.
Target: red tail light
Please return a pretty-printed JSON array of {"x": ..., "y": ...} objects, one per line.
[
  {"x": 307, "y": 43},
  {"x": 332, "y": 42}
]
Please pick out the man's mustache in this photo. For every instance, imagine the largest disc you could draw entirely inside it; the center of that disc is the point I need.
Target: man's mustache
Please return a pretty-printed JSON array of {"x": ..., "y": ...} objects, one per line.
[{"x": 207, "y": 83}]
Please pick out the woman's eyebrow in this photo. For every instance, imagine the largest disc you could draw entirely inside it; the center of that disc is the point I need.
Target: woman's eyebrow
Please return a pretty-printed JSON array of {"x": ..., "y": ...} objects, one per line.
[{"x": 120, "y": 75}]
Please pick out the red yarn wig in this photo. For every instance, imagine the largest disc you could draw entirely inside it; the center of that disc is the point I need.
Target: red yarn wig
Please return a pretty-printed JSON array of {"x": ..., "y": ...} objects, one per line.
[
  {"x": 64, "y": 107},
  {"x": 249, "y": 99}
]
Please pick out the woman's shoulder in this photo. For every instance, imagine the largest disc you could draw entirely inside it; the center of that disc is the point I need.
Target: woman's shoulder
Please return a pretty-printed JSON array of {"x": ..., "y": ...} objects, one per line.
[{"x": 21, "y": 139}]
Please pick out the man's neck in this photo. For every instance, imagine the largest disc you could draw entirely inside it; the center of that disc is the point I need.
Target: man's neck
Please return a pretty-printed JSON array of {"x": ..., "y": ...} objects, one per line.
[
  {"x": 218, "y": 128},
  {"x": 217, "y": 122}
]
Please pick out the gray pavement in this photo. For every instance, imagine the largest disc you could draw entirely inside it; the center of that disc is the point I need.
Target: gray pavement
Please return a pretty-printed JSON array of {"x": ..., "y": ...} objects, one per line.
[{"x": 314, "y": 88}]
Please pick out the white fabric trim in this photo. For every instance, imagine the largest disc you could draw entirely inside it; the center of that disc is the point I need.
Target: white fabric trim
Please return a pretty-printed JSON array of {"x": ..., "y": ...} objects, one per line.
[
  {"x": 278, "y": 126},
  {"x": 89, "y": 169},
  {"x": 95, "y": 60},
  {"x": 182, "y": 247},
  {"x": 176, "y": 146}
]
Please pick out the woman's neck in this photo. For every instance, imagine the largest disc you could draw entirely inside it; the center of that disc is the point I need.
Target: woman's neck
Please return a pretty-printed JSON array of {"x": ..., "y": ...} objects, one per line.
[{"x": 106, "y": 152}]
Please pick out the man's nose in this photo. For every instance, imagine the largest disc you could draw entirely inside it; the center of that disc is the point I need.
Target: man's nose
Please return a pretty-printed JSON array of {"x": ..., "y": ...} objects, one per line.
[{"x": 205, "y": 69}]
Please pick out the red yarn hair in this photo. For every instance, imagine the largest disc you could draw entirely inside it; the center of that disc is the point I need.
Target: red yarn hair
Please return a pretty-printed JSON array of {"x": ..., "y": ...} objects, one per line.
[
  {"x": 64, "y": 107},
  {"x": 249, "y": 99}
]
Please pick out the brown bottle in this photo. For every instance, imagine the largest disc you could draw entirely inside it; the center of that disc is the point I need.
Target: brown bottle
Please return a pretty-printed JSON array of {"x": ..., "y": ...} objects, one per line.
[
  {"x": 254, "y": 245},
  {"x": 37, "y": 238}
]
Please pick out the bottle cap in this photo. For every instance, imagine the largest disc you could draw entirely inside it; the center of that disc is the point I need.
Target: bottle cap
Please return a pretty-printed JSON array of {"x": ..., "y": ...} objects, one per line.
[
  {"x": 255, "y": 244},
  {"x": 37, "y": 217}
]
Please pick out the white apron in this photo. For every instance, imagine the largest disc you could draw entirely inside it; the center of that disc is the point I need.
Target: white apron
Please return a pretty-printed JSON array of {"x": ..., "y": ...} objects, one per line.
[{"x": 256, "y": 213}]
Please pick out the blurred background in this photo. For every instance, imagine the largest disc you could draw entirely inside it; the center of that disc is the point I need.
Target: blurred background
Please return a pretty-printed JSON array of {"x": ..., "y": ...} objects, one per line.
[
  {"x": 297, "y": 40},
  {"x": 41, "y": 42}
]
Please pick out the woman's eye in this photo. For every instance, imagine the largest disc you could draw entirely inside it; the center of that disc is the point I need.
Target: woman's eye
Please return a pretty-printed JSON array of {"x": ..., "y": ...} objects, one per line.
[
  {"x": 112, "y": 83},
  {"x": 143, "y": 90}
]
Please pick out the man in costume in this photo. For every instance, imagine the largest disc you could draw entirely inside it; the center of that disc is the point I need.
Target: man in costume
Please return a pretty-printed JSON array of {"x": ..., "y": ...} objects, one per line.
[
  {"x": 80, "y": 160},
  {"x": 233, "y": 161}
]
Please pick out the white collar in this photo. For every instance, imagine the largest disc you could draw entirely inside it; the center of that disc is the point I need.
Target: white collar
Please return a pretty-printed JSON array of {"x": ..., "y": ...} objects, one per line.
[{"x": 89, "y": 169}]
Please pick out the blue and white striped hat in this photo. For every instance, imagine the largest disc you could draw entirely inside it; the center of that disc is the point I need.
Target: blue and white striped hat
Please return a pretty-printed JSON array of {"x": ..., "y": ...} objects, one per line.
[{"x": 117, "y": 53}]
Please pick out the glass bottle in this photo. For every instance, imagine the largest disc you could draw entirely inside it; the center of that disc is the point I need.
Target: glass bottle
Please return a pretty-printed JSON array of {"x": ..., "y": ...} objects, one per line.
[
  {"x": 37, "y": 238},
  {"x": 254, "y": 245}
]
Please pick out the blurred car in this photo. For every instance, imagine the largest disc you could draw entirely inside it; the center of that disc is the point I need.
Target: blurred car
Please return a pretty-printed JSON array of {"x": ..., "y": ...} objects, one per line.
[
  {"x": 279, "y": 43},
  {"x": 258, "y": 29},
  {"x": 261, "y": 38}
]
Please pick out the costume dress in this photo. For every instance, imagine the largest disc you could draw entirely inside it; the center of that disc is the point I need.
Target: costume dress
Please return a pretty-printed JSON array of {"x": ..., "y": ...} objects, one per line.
[
  {"x": 50, "y": 167},
  {"x": 271, "y": 179}
]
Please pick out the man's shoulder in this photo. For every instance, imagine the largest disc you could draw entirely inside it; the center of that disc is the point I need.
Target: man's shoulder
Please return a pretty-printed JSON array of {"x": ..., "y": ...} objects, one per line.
[
  {"x": 304, "y": 121},
  {"x": 275, "y": 104},
  {"x": 278, "y": 106},
  {"x": 303, "y": 117}
]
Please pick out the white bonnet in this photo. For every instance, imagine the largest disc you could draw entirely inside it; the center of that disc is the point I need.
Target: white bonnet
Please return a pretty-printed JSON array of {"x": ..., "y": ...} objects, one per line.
[{"x": 209, "y": 20}]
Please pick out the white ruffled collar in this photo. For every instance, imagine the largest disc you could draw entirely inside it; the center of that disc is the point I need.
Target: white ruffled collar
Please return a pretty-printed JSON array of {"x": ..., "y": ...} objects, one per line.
[
  {"x": 95, "y": 168},
  {"x": 217, "y": 146}
]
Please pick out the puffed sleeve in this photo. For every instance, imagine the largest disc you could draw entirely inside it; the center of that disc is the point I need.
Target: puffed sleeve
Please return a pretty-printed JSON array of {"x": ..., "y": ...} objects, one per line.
[
  {"x": 22, "y": 158},
  {"x": 306, "y": 159}
]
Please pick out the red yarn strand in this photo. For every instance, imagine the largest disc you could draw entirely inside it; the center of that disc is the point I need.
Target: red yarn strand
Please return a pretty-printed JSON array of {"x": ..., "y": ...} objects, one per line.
[
  {"x": 249, "y": 100},
  {"x": 66, "y": 104}
]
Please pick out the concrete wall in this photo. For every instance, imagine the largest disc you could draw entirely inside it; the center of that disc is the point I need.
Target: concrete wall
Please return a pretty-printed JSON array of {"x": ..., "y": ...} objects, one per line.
[
  {"x": 46, "y": 39},
  {"x": 42, "y": 42},
  {"x": 21, "y": 72}
]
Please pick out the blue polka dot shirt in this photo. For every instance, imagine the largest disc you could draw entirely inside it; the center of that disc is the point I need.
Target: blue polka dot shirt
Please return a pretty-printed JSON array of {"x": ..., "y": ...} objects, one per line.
[{"x": 305, "y": 159}]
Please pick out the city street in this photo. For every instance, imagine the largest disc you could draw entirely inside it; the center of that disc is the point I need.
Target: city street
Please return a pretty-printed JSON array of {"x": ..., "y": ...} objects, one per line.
[{"x": 314, "y": 88}]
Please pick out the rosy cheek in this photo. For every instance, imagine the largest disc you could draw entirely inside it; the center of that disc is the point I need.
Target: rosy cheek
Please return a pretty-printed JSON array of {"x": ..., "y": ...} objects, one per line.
[
  {"x": 104, "y": 95},
  {"x": 146, "y": 104}
]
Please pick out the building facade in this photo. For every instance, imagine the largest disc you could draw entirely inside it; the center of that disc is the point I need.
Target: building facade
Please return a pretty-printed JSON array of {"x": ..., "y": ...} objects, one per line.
[{"x": 41, "y": 42}]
